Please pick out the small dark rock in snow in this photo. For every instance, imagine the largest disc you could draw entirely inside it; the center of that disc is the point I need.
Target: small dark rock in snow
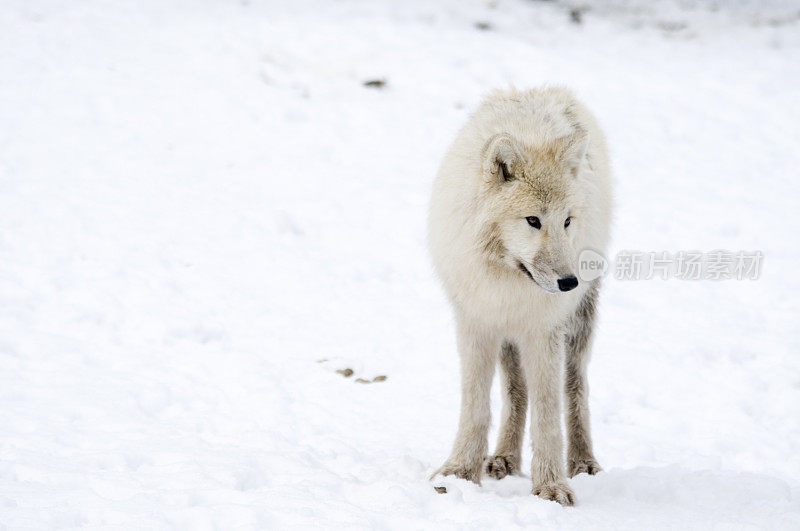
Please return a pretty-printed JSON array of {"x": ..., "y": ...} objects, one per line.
[
  {"x": 347, "y": 373},
  {"x": 362, "y": 380},
  {"x": 375, "y": 83},
  {"x": 483, "y": 25},
  {"x": 576, "y": 16},
  {"x": 441, "y": 490},
  {"x": 380, "y": 378},
  {"x": 672, "y": 25}
]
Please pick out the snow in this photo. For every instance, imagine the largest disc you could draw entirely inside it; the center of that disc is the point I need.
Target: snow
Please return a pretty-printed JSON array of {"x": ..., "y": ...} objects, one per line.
[{"x": 205, "y": 214}]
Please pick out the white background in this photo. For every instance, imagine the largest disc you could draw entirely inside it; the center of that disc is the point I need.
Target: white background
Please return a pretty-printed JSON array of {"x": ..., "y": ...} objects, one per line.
[{"x": 199, "y": 201}]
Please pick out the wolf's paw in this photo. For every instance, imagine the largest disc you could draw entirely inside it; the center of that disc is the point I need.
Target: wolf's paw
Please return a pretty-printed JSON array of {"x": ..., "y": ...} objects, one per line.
[
  {"x": 500, "y": 466},
  {"x": 585, "y": 464},
  {"x": 559, "y": 492},
  {"x": 470, "y": 472}
]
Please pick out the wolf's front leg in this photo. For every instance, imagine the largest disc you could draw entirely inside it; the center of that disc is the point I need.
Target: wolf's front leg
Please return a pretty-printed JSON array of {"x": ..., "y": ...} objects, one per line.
[
  {"x": 580, "y": 457},
  {"x": 477, "y": 347},
  {"x": 543, "y": 360}
]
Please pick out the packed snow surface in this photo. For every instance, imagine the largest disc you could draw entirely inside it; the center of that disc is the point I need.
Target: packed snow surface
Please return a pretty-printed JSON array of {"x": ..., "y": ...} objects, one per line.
[{"x": 205, "y": 214}]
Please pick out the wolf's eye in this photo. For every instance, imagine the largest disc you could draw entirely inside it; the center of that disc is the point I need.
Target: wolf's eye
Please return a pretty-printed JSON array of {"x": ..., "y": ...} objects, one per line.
[
  {"x": 567, "y": 222},
  {"x": 534, "y": 222}
]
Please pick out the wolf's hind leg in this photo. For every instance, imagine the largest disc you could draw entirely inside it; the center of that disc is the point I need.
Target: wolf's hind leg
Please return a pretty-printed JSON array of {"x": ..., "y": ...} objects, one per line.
[
  {"x": 477, "y": 348},
  {"x": 515, "y": 404},
  {"x": 580, "y": 457}
]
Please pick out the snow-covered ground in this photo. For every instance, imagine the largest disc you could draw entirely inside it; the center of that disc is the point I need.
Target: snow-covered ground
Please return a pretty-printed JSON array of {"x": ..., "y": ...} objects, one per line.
[{"x": 204, "y": 214}]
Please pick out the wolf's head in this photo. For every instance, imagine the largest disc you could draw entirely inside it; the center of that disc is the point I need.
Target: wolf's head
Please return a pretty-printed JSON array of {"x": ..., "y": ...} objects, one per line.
[{"x": 532, "y": 208}]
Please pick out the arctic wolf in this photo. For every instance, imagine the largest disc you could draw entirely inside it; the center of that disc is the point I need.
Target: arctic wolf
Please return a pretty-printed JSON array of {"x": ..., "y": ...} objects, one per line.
[{"x": 523, "y": 189}]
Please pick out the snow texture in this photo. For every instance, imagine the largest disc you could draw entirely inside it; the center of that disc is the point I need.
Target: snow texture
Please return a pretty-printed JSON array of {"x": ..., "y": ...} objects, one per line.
[{"x": 205, "y": 213}]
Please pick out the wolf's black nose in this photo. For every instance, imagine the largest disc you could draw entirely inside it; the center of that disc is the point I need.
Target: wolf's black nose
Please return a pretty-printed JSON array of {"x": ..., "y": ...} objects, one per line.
[{"x": 567, "y": 283}]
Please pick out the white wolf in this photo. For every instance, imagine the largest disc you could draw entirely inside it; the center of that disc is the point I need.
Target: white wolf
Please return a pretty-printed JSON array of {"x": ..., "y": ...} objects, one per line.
[{"x": 523, "y": 189}]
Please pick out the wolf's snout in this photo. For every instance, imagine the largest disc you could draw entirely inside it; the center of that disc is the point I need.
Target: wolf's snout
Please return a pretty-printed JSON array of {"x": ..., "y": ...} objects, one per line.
[{"x": 567, "y": 283}]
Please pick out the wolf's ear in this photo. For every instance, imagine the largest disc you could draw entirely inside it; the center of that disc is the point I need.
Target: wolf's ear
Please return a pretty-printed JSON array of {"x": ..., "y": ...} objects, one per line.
[
  {"x": 572, "y": 149},
  {"x": 500, "y": 156}
]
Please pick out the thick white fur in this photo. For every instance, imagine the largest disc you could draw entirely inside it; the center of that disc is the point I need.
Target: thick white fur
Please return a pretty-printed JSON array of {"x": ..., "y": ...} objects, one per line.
[{"x": 478, "y": 237}]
